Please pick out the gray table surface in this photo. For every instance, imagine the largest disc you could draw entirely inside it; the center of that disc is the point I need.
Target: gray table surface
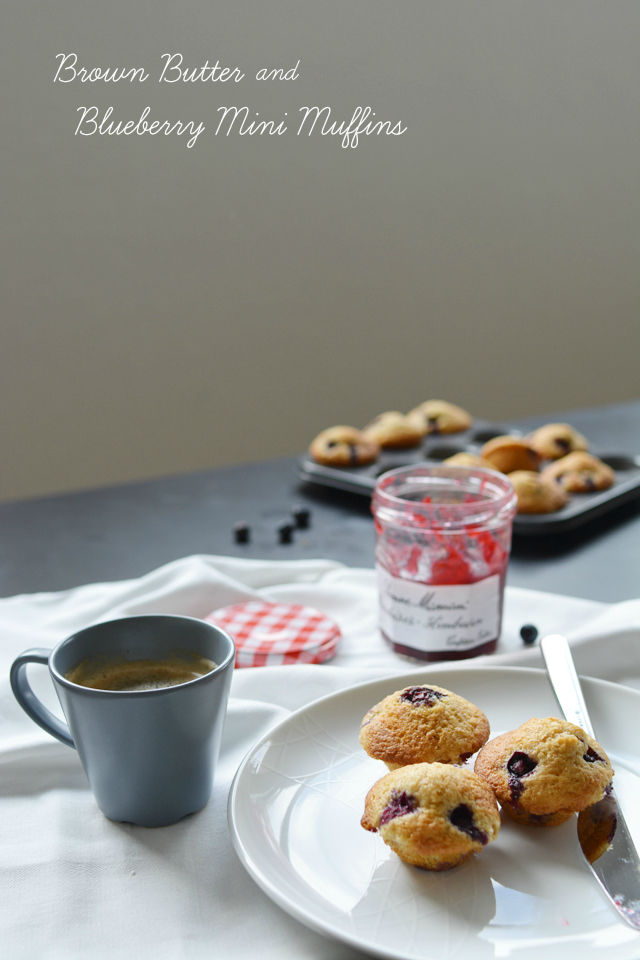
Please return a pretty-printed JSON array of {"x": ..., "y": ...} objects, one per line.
[{"x": 117, "y": 532}]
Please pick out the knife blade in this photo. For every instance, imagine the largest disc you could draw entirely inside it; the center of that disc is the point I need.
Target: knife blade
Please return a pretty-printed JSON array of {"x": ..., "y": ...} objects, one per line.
[{"x": 603, "y": 834}]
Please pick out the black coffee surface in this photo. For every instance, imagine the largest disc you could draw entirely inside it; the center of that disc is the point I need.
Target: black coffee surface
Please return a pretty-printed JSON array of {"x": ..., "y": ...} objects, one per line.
[{"x": 118, "y": 673}]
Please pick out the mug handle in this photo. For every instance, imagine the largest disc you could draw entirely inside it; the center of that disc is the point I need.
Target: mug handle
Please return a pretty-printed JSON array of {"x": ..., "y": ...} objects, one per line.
[{"x": 28, "y": 700}]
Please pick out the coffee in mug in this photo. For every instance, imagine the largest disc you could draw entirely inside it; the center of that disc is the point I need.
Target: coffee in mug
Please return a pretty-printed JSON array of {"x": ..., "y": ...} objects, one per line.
[{"x": 118, "y": 673}]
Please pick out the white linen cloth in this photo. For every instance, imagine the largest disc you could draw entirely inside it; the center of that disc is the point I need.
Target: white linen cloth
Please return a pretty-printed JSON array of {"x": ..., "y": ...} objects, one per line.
[{"x": 75, "y": 885}]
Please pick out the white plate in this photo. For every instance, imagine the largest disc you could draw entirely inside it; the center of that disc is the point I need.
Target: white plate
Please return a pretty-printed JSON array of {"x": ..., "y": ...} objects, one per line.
[{"x": 294, "y": 814}]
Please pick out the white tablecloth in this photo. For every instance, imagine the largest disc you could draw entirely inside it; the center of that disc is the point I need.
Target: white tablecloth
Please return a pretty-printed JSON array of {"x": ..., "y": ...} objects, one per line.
[{"x": 74, "y": 885}]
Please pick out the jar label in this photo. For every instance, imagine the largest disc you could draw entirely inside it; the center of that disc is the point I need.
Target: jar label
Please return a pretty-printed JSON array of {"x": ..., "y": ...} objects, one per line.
[{"x": 438, "y": 618}]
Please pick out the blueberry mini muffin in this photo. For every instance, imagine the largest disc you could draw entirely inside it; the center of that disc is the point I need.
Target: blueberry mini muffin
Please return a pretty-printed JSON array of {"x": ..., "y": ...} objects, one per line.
[
  {"x": 343, "y": 447},
  {"x": 466, "y": 459},
  {"x": 393, "y": 430},
  {"x": 432, "y": 815},
  {"x": 537, "y": 493},
  {"x": 423, "y": 724},
  {"x": 580, "y": 472},
  {"x": 557, "y": 440},
  {"x": 545, "y": 771},
  {"x": 438, "y": 416},
  {"x": 509, "y": 453}
]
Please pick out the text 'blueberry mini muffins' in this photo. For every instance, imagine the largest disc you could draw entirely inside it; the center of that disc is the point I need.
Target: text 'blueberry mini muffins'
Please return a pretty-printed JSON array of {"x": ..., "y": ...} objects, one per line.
[
  {"x": 423, "y": 724},
  {"x": 432, "y": 815},
  {"x": 545, "y": 771}
]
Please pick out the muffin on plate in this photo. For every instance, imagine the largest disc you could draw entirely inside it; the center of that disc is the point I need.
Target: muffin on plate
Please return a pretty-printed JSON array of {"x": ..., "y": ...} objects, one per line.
[
  {"x": 432, "y": 815},
  {"x": 343, "y": 447},
  {"x": 545, "y": 771},
  {"x": 423, "y": 724}
]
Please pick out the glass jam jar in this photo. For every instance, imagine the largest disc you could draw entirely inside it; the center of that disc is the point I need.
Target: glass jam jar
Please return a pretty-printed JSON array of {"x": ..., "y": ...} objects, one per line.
[{"x": 443, "y": 536}]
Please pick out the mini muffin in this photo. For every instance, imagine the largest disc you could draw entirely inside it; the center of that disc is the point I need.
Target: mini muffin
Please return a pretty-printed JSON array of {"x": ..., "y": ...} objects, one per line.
[
  {"x": 545, "y": 771},
  {"x": 537, "y": 493},
  {"x": 432, "y": 815},
  {"x": 556, "y": 440},
  {"x": 509, "y": 453},
  {"x": 343, "y": 447},
  {"x": 438, "y": 416},
  {"x": 580, "y": 472},
  {"x": 393, "y": 430},
  {"x": 465, "y": 459},
  {"x": 423, "y": 724}
]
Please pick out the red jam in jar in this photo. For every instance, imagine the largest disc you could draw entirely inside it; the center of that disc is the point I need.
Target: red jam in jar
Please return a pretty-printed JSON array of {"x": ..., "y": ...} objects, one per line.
[{"x": 443, "y": 536}]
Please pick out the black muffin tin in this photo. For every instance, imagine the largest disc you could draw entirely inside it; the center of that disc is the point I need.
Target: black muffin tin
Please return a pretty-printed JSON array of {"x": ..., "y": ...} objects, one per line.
[{"x": 435, "y": 448}]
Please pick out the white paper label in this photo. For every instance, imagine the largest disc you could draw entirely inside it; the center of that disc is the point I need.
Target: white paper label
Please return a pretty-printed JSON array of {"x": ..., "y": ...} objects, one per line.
[{"x": 438, "y": 619}]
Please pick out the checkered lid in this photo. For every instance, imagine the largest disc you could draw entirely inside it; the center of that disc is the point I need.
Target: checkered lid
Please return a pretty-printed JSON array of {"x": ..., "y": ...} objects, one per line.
[{"x": 268, "y": 634}]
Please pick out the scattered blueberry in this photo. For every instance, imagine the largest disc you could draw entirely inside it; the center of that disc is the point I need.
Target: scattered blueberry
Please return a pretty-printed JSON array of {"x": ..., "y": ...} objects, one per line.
[
  {"x": 529, "y": 633},
  {"x": 285, "y": 533},
  {"x": 301, "y": 516},
  {"x": 591, "y": 756},
  {"x": 241, "y": 532}
]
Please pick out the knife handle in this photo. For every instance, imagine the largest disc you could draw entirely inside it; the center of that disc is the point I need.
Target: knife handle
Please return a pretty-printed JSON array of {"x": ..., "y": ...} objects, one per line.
[{"x": 564, "y": 680}]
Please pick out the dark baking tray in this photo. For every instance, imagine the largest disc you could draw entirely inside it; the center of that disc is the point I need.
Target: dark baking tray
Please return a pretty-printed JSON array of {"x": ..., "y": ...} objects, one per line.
[{"x": 437, "y": 447}]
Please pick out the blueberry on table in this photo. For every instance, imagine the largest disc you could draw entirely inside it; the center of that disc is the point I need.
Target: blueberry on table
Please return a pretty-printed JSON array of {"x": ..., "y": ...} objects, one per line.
[
  {"x": 529, "y": 633},
  {"x": 241, "y": 532},
  {"x": 301, "y": 516},
  {"x": 285, "y": 533}
]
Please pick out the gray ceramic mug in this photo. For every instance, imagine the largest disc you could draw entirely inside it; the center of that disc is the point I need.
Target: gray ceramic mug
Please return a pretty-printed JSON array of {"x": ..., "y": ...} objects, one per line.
[{"x": 149, "y": 755}]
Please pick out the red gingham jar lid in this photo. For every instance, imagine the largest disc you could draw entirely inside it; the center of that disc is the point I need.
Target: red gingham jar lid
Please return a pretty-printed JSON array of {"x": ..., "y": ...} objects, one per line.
[{"x": 270, "y": 634}]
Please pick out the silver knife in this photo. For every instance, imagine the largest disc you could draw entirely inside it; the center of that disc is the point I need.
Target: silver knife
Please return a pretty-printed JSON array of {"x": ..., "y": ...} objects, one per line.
[{"x": 603, "y": 834}]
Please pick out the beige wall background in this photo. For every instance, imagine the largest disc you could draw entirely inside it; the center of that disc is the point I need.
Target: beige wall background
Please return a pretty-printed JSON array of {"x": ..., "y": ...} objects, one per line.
[{"x": 167, "y": 309}]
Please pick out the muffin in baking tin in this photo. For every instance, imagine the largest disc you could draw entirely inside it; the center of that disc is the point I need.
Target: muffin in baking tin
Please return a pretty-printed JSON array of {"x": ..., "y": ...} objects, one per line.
[
  {"x": 432, "y": 815},
  {"x": 537, "y": 493},
  {"x": 440, "y": 416},
  {"x": 555, "y": 440},
  {"x": 580, "y": 472},
  {"x": 343, "y": 446},
  {"x": 508, "y": 453},
  {"x": 393, "y": 430}
]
